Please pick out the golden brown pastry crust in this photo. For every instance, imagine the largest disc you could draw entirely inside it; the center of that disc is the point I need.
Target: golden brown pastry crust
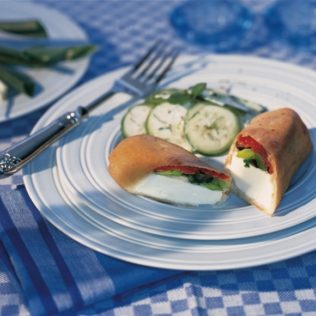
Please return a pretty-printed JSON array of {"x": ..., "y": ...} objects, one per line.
[
  {"x": 137, "y": 156},
  {"x": 287, "y": 142}
]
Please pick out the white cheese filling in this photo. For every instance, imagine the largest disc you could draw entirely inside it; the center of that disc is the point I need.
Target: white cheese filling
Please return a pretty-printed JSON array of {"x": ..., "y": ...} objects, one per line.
[
  {"x": 176, "y": 191},
  {"x": 255, "y": 183}
]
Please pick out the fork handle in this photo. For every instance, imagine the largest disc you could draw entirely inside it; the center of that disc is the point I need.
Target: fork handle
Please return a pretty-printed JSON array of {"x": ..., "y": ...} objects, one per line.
[{"x": 15, "y": 157}]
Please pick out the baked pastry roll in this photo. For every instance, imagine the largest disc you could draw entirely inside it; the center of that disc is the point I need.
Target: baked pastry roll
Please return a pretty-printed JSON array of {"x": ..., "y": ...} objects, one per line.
[
  {"x": 265, "y": 155},
  {"x": 155, "y": 168}
]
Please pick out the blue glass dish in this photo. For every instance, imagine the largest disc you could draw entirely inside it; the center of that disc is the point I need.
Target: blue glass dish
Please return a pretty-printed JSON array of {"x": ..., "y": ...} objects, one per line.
[
  {"x": 218, "y": 23},
  {"x": 293, "y": 21}
]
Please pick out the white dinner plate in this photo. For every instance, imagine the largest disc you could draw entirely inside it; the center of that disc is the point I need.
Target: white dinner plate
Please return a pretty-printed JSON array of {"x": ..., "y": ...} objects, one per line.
[
  {"x": 54, "y": 81},
  {"x": 71, "y": 186},
  {"x": 82, "y": 159}
]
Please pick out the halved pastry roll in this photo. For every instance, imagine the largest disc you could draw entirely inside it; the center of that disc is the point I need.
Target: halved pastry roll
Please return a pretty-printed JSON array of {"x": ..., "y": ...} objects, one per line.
[
  {"x": 265, "y": 155},
  {"x": 155, "y": 168}
]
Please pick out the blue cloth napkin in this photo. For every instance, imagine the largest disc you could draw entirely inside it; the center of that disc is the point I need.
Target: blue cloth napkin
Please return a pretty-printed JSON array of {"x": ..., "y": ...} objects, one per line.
[
  {"x": 53, "y": 275},
  {"x": 57, "y": 274}
]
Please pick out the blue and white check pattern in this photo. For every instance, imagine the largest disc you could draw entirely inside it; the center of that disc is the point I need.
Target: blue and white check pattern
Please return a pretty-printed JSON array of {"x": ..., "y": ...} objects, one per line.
[
  {"x": 92, "y": 284},
  {"x": 56, "y": 274},
  {"x": 279, "y": 289}
]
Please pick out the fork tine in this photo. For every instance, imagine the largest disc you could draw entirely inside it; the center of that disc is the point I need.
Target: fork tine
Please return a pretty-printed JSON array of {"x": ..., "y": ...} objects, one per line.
[
  {"x": 151, "y": 61},
  {"x": 149, "y": 71},
  {"x": 145, "y": 57},
  {"x": 173, "y": 56},
  {"x": 155, "y": 70}
]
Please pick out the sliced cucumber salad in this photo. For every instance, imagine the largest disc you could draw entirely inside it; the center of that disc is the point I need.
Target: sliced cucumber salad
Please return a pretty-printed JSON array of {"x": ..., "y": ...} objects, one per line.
[
  {"x": 166, "y": 121},
  {"x": 133, "y": 122},
  {"x": 210, "y": 129},
  {"x": 192, "y": 118}
]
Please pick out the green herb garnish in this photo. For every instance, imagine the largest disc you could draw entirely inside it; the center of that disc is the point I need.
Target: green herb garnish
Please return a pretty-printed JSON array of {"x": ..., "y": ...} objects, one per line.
[
  {"x": 182, "y": 98},
  {"x": 156, "y": 98},
  {"x": 197, "y": 90}
]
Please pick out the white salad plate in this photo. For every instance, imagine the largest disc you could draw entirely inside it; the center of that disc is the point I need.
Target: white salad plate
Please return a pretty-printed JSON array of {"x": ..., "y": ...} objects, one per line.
[
  {"x": 55, "y": 81},
  {"x": 70, "y": 184}
]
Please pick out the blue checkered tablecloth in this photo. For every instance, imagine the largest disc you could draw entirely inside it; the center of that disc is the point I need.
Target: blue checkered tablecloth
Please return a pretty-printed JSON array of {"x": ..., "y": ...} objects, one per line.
[{"x": 124, "y": 30}]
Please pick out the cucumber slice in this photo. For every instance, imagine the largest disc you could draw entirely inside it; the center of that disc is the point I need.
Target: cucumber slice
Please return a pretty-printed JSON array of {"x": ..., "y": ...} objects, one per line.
[
  {"x": 210, "y": 129},
  {"x": 166, "y": 121},
  {"x": 134, "y": 121}
]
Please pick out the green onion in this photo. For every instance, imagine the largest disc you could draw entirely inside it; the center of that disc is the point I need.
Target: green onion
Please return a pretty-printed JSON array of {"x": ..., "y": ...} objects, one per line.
[
  {"x": 18, "y": 81},
  {"x": 31, "y": 28},
  {"x": 36, "y": 56},
  {"x": 42, "y": 56},
  {"x": 13, "y": 56}
]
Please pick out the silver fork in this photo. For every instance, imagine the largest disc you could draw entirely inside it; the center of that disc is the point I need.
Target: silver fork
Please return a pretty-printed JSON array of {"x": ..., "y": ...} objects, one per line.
[{"x": 141, "y": 80}]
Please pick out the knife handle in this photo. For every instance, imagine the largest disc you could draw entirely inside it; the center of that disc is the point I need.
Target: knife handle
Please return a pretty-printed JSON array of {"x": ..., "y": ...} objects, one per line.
[{"x": 15, "y": 157}]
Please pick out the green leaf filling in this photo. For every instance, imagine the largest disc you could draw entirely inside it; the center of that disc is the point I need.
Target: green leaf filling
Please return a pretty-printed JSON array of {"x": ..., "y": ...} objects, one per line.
[
  {"x": 216, "y": 185},
  {"x": 246, "y": 153},
  {"x": 198, "y": 178},
  {"x": 170, "y": 173},
  {"x": 251, "y": 159}
]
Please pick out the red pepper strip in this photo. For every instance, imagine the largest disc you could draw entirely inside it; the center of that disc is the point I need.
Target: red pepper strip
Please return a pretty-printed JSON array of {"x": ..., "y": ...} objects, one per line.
[
  {"x": 193, "y": 170},
  {"x": 249, "y": 142}
]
